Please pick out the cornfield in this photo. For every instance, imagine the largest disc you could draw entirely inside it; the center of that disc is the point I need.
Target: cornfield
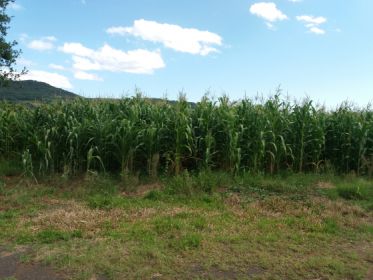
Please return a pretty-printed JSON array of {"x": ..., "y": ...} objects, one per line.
[{"x": 140, "y": 136}]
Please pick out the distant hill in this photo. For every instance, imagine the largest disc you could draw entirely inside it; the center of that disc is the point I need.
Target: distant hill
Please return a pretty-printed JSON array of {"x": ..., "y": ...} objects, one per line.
[
  {"x": 20, "y": 91},
  {"x": 30, "y": 91}
]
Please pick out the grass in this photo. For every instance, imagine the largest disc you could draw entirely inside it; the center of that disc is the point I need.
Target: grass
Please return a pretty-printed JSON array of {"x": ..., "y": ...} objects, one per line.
[
  {"x": 261, "y": 227},
  {"x": 359, "y": 191}
]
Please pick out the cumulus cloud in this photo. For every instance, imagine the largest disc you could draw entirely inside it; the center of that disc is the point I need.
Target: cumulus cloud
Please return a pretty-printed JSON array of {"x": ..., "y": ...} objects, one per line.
[
  {"x": 268, "y": 11},
  {"x": 81, "y": 75},
  {"x": 313, "y": 23},
  {"x": 53, "y": 79},
  {"x": 56, "y": 66},
  {"x": 317, "y": 30},
  {"x": 311, "y": 20},
  {"x": 43, "y": 44},
  {"x": 110, "y": 59},
  {"x": 187, "y": 40}
]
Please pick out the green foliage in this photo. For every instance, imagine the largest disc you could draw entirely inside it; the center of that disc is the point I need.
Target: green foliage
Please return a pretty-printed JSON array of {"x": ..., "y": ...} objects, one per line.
[
  {"x": 330, "y": 226},
  {"x": 355, "y": 190},
  {"x": 10, "y": 168},
  {"x": 135, "y": 137},
  {"x": 50, "y": 236},
  {"x": 8, "y": 53},
  {"x": 102, "y": 201},
  {"x": 154, "y": 195},
  {"x": 8, "y": 215},
  {"x": 295, "y": 184},
  {"x": 188, "y": 241},
  {"x": 47, "y": 236},
  {"x": 350, "y": 192},
  {"x": 182, "y": 184}
]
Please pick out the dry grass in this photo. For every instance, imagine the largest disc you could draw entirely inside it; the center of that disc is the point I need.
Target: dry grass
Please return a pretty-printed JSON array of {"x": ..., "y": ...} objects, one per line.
[
  {"x": 325, "y": 185},
  {"x": 72, "y": 215},
  {"x": 223, "y": 236}
]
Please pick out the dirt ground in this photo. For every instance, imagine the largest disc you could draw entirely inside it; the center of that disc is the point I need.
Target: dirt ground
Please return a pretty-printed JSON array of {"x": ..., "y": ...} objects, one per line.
[{"x": 12, "y": 267}]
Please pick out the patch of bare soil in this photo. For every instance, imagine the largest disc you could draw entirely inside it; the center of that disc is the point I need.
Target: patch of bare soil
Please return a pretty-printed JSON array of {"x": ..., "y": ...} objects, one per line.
[{"x": 12, "y": 267}]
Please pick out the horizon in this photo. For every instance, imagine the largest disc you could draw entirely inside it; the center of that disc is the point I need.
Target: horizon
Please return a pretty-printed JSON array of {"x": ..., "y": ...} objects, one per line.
[
  {"x": 259, "y": 98},
  {"x": 311, "y": 48}
]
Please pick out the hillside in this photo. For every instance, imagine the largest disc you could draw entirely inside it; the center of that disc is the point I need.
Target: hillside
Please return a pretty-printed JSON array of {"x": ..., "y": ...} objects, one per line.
[{"x": 19, "y": 91}]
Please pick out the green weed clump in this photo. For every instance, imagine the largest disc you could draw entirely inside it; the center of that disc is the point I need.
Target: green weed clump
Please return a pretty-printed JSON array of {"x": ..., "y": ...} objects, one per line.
[
  {"x": 351, "y": 192},
  {"x": 357, "y": 189},
  {"x": 51, "y": 236}
]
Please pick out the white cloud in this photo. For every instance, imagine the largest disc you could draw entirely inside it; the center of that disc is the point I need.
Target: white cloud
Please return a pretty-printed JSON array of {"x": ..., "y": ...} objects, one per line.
[
  {"x": 43, "y": 44},
  {"x": 187, "y": 40},
  {"x": 81, "y": 75},
  {"x": 15, "y": 6},
  {"x": 267, "y": 11},
  {"x": 313, "y": 23},
  {"x": 76, "y": 49},
  {"x": 50, "y": 38},
  {"x": 109, "y": 59},
  {"x": 312, "y": 20},
  {"x": 40, "y": 45},
  {"x": 86, "y": 64},
  {"x": 270, "y": 26},
  {"x": 317, "y": 30},
  {"x": 53, "y": 79},
  {"x": 56, "y": 66}
]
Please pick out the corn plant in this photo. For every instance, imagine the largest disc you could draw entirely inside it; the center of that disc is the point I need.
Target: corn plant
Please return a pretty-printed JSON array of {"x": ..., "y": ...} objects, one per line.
[{"x": 139, "y": 135}]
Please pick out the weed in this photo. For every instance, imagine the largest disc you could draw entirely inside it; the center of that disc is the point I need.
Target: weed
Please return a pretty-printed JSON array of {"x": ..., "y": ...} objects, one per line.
[
  {"x": 10, "y": 168},
  {"x": 50, "y": 236},
  {"x": 154, "y": 195},
  {"x": 187, "y": 242},
  {"x": 330, "y": 226},
  {"x": 102, "y": 201},
  {"x": 350, "y": 192}
]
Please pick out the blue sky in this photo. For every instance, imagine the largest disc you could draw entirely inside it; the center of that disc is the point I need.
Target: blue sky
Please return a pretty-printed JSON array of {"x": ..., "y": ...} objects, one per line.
[{"x": 316, "y": 48}]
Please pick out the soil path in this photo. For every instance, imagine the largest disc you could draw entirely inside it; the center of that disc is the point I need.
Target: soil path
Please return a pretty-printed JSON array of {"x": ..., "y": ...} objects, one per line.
[{"x": 11, "y": 267}]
